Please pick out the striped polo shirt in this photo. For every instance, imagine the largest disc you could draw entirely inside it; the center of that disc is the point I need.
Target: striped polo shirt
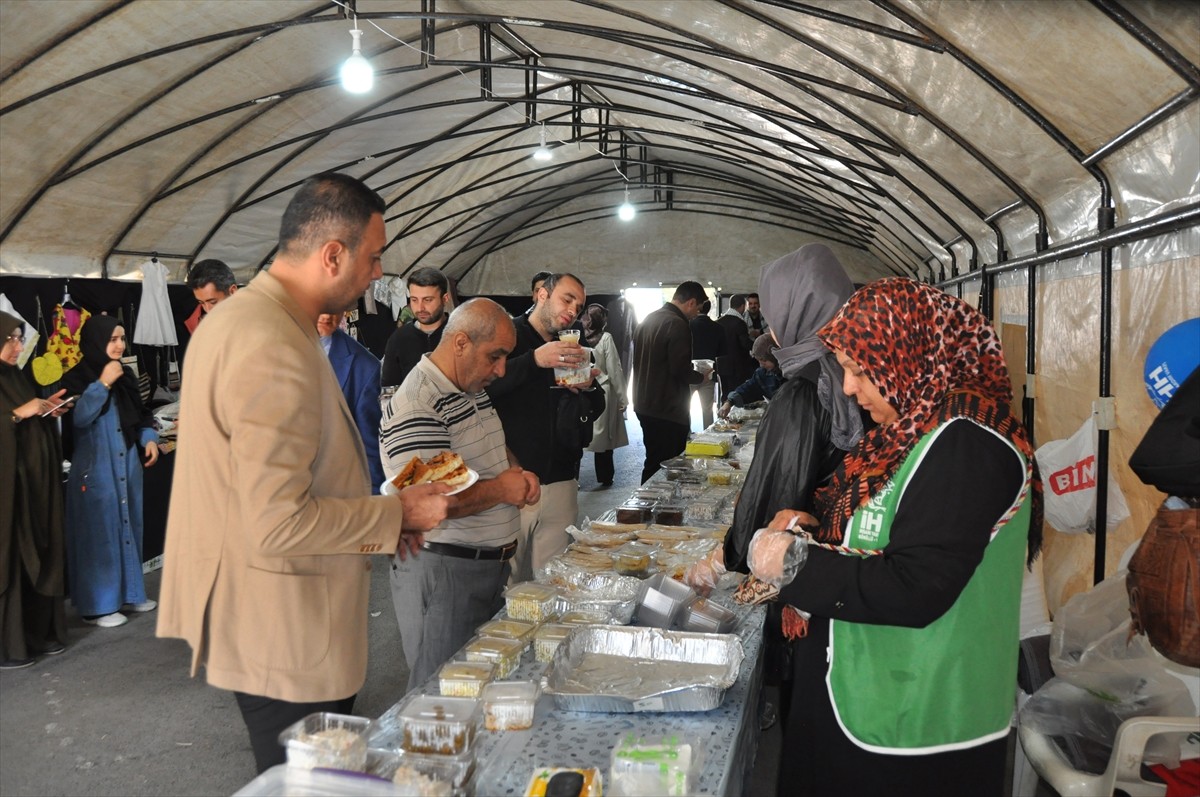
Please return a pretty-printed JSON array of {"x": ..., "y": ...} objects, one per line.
[{"x": 428, "y": 414}]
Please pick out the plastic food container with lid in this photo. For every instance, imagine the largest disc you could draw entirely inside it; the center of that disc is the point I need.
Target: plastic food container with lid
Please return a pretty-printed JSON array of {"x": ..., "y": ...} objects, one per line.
[
  {"x": 465, "y": 678},
  {"x": 661, "y": 600},
  {"x": 670, "y": 513},
  {"x": 519, "y": 630},
  {"x": 439, "y": 725},
  {"x": 705, "y": 616},
  {"x": 427, "y": 774},
  {"x": 636, "y": 510},
  {"x": 633, "y": 559},
  {"x": 509, "y": 705},
  {"x": 505, "y": 654},
  {"x": 546, "y": 639},
  {"x": 584, "y": 617},
  {"x": 328, "y": 741},
  {"x": 530, "y": 601}
]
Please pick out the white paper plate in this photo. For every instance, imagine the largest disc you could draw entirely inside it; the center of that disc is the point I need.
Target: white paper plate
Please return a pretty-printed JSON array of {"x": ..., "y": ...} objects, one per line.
[{"x": 387, "y": 488}]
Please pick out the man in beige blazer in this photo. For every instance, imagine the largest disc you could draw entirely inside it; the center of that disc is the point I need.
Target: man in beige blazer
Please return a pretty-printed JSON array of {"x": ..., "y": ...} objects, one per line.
[{"x": 265, "y": 573}]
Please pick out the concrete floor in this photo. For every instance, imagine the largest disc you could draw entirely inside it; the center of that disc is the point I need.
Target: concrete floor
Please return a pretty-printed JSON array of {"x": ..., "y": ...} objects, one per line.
[{"x": 117, "y": 714}]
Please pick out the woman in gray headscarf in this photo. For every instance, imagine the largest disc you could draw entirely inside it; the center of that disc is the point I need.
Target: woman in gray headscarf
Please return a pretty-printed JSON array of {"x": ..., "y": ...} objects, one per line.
[{"x": 809, "y": 424}]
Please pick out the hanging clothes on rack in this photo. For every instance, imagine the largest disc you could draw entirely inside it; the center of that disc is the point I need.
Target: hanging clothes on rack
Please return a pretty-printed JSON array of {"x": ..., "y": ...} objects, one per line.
[
  {"x": 156, "y": 324},
  {"x": 69, "y": 319}
]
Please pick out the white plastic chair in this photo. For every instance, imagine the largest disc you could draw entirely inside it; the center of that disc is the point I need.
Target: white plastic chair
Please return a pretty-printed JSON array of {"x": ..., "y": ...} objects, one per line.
[{"x": 1124, "y": 765}]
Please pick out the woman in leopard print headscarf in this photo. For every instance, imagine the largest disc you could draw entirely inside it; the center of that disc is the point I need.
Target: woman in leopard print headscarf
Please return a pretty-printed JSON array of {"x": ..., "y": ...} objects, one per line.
[{"x": 910, "y": 660}]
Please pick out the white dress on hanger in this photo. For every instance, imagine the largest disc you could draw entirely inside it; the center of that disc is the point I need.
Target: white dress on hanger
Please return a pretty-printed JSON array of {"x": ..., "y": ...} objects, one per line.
[{"x": 155, "y": 325}]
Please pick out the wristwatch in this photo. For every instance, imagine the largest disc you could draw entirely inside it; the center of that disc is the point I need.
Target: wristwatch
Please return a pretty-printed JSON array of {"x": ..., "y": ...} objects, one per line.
[{"x": 16, "y": 418}]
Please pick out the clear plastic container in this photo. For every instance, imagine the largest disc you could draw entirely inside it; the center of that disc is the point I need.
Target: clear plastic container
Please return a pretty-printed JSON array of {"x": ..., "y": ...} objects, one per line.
[
  {"x": 707, "y": 617},
  {"x": 636, "y": 510},
  {"x": 661, "y": 600},
  {"x": 519, "y": 630},
  {"x": 703, "y": 509},
  {"x": 530, "y": 601},
  {"x": 509, "y": 705},
  {"x": 328, "y": 741},
  {"x": 450, "y": 774},
  {"x": 439, "y": 725},
  {"x": 584, "y": 617},
  {"x": 547, "y": 638},
  {"x": 660, "y": 769},
  {"x": 633, "y": 559},
  {"x": 465, "y": 678},
  {"x": 670, "y": 513},
  {"x": 505, "y": 654},
  {"x": 288, "y": 781},
  {"x": 709, "y": 444},
  {"x": 726, "y": 477}
]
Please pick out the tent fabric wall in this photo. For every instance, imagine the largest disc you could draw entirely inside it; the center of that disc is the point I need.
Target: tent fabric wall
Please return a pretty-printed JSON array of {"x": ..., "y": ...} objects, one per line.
[{"x": 1147, "y": 300}]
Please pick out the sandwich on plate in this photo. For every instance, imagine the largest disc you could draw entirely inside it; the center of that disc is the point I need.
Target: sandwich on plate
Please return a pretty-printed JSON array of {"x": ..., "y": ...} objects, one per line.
[{"x": 445, "y": 468}]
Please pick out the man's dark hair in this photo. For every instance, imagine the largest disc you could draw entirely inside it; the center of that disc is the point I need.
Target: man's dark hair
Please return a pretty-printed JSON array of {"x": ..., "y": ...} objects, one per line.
[
  {"x": 428, "y": 277},
  {"x": 211, "y": 271},
  {"x": 750, "y": 296},
  {"x": 689, "y": 290},
  {"x": 329, "y": 206},
  {"x": 553, "y": 279},
  {"x": 738, "y": 302},
  {"x": 541, "y": 276},
  {"x": 706, "y": 308}
]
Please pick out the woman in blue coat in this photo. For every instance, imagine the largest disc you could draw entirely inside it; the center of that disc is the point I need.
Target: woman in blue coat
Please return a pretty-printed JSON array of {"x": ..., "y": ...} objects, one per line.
[{"x": 113, "y": 432}]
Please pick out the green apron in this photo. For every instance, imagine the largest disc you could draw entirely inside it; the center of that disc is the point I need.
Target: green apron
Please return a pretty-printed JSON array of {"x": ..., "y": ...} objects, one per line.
[{"x": 952, "y": 684}]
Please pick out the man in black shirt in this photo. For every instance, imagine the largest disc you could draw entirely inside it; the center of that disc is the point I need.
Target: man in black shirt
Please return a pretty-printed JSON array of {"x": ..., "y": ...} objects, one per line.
[
  {"x": 528, "y": 403},
  {"x": 735, "y": 366},
  {"x": 428, "y": 294},
  {"x": 708, "y": 343}
]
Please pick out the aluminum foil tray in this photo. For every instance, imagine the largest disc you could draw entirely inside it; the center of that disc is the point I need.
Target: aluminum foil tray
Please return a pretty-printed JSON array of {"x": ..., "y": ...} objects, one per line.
[{"x": 627, "y": 670}]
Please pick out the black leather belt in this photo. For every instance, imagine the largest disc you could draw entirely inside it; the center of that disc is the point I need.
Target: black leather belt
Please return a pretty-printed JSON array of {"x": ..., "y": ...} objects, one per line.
[{"x": 503, "y": 553}]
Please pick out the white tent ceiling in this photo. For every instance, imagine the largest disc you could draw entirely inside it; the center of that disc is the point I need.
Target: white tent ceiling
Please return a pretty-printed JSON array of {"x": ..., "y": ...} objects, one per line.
[{"x": 917, "y": 137}]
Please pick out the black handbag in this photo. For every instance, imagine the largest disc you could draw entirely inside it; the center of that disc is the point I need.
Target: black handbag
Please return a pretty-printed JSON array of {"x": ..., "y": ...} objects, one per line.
[{"x": 576, "y": 412}]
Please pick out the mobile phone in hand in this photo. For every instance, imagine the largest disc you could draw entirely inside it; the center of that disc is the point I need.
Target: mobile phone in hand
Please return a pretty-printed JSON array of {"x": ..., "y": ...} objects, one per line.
[{"x": 63, "y": 403}]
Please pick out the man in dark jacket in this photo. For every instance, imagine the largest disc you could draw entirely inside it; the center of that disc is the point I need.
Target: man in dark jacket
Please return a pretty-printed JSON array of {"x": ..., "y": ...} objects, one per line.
[
  {"x": 736, "y": 365},
  {"x": 663, "y": 375},
  {"x": 708, "y": 343},
  {"x": 535, "y": 428},
  {"x": 428, "y": 295}
]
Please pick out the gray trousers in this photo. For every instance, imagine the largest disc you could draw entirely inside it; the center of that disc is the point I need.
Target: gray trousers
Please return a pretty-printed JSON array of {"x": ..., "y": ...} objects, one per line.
[{"x": 440, "y": 601}]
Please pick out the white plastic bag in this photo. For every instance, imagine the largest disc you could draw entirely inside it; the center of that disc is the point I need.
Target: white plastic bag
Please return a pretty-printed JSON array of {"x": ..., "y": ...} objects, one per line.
[
  {"x": 1104, "y": 678},
  {"x": 1068, "y": 470}
]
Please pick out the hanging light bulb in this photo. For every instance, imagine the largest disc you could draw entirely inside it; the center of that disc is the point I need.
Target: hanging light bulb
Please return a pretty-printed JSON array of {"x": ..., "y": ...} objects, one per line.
[
  {"x": 542, "y": 153},
  {"x": 626, "y": 211},
  {"x": 357, "y": 74}
]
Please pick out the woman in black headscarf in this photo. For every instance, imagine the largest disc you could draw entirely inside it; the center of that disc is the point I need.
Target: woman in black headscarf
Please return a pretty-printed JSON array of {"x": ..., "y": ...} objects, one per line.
[
  {"x": 32, "y": 620},
  {"x": 113, "y": 432}
]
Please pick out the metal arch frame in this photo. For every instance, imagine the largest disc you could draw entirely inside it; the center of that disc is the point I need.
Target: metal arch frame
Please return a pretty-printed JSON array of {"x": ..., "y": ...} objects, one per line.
[
  {"x": 826, "y": 187},
  {"x": 599, "y": 177},
  {"x": 481, "y": 207},
  {"x": 64, "y": 171},
  {"x": 427, "y": 17}
]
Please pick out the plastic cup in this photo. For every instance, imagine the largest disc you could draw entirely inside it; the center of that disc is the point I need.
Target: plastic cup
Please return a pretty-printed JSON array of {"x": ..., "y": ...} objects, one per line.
[{"x": 569, "y": 336}]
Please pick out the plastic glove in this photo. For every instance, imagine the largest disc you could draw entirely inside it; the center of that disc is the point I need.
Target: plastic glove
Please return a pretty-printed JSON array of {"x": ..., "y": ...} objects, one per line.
[
  {"x": 776, "y": 556},
  {"x": 703, "y": 575}
]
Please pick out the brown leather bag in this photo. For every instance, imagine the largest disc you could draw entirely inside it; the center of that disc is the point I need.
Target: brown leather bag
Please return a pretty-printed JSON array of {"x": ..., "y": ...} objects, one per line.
[{"x": 1164, "y": 585}]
